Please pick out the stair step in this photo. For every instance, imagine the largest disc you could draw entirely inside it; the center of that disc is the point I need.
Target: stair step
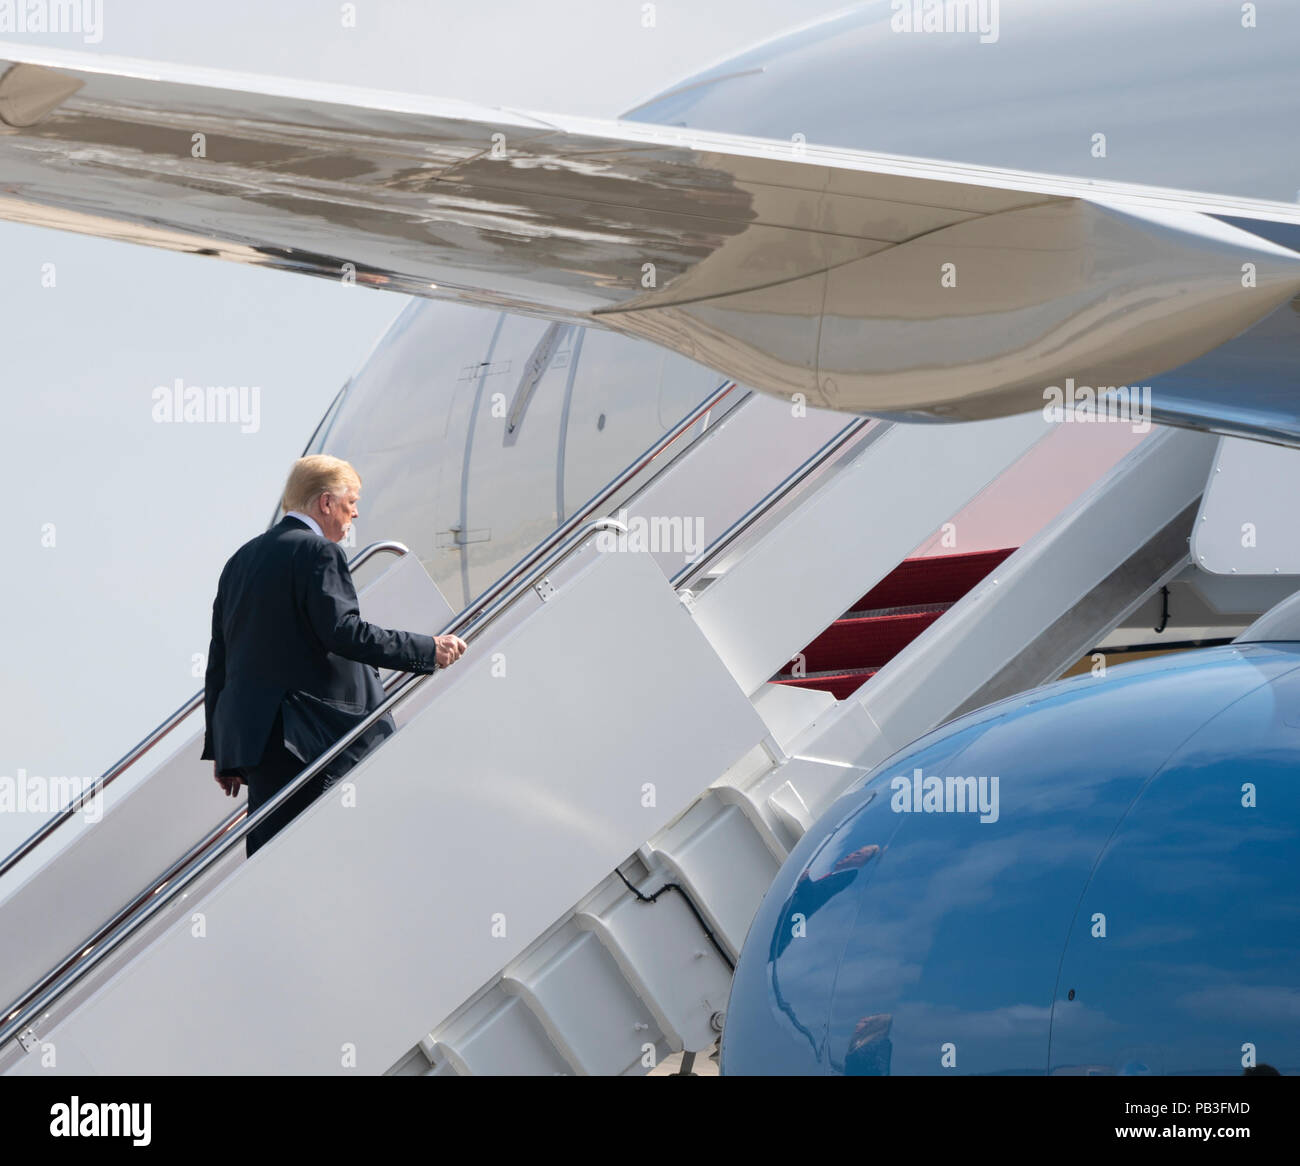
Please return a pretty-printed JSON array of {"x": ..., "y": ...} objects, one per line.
[
  {"x": 935, "y": 579},
  {"x": 866, "y": 641}
]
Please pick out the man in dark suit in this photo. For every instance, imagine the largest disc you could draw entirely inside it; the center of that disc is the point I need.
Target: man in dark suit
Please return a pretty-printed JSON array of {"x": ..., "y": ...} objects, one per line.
[{"x": 292, "y": 665}]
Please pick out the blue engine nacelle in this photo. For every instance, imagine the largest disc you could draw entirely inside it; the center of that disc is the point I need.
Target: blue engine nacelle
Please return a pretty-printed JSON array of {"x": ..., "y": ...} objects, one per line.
[{"x": 1095, "y": 877}]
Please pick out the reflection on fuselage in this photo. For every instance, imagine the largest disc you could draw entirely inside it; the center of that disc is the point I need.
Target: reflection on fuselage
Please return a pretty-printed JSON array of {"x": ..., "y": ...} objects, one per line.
[
  {"x": 1175, "y": 93},
  {"x": 477, "y": 433}
]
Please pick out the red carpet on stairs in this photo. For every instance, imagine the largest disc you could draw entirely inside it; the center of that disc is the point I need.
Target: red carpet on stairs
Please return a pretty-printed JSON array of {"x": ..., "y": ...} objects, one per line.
[{"x": 888, "y": 618}]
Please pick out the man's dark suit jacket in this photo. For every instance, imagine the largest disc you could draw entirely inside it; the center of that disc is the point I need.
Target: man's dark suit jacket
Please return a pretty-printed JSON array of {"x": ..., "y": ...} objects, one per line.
[{"x": 287, "y": 635}]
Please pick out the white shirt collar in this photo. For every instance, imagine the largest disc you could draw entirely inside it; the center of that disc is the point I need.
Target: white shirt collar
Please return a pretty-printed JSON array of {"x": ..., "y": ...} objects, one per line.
[{"x": 307, "y": 518}]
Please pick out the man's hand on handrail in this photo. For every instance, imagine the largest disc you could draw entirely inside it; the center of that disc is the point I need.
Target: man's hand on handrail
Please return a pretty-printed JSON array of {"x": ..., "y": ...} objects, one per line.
[{"x": 449, "y": 649}]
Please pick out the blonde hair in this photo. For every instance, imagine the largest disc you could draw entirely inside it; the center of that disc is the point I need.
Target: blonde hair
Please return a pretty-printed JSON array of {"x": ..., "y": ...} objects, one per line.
[{"x": 315, "y": 475}]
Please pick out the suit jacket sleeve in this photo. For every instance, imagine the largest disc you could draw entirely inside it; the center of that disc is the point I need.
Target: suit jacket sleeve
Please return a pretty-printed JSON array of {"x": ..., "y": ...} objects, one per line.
[
  {"x": 335, "y": 617},
  {"x": 215, "y": 677}
]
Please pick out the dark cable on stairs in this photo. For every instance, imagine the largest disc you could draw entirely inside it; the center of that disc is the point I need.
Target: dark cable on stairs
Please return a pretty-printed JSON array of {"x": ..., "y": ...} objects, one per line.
[{"x": 694, "y": 911}]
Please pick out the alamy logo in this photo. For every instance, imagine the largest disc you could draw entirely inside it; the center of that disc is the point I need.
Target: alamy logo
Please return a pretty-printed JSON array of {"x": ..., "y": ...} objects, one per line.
[
  {"x": 30, "y": 794},
  {"x": 946, "y": 16},
  {"x": 102, "y": 1119},
  {"x": 58, "y": 16},
  {"x": 1131, "y": 403},
  {"x": 208, "y": 403},
  {"x": 945, "y": 795},
  {"x": 655, "y": 533}
]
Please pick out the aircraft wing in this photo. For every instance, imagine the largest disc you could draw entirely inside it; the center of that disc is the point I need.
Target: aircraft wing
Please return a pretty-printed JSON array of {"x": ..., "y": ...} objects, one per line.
[{"x": 867, "y": 282}]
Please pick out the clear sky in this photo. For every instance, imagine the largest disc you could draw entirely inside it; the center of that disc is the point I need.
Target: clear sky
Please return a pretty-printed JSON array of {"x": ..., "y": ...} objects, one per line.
[{"x": 119, "y": 525}]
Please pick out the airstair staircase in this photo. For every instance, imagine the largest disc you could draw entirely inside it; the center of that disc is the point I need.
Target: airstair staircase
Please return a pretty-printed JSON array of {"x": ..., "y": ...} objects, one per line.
[{"x": 551, "y": 866}]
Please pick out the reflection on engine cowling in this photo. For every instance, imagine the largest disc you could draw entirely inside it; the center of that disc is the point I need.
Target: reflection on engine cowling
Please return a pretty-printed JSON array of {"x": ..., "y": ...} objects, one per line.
[{"x": 1092, "y": 878}]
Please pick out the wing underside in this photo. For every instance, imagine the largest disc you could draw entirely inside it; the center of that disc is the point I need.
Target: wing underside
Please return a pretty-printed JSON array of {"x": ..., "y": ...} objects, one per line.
[{"x": 864, "y": 282}]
